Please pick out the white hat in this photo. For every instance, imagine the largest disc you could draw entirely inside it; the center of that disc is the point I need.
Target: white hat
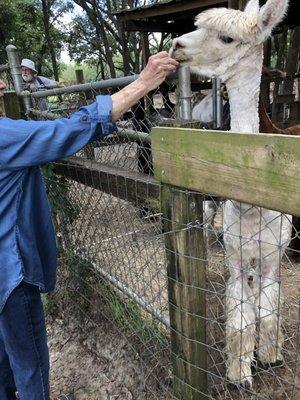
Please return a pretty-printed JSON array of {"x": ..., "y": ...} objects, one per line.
[{"x": 28, "y": 64}]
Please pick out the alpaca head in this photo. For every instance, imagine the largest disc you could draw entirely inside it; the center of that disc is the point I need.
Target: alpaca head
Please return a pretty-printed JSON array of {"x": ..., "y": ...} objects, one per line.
[{"x": 225, "y": 37}]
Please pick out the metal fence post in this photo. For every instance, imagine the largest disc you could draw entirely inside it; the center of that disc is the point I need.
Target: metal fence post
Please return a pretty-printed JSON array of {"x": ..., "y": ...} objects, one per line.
[
  {"x": 185, "y": 94},
  {"x": 217, "y": 103},
  {"x": 15, "y": 69}
]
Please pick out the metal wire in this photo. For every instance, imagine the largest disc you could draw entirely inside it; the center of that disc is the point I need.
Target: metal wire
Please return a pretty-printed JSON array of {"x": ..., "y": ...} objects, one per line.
[{"x": 114, "y": 259}]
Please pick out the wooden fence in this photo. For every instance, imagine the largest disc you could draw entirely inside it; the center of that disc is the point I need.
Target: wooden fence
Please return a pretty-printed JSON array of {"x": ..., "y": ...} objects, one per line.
[{"x": 258, "y": 169}]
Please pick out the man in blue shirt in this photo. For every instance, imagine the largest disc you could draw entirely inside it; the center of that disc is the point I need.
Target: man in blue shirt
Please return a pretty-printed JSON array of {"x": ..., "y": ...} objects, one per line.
[{"x": 27, "y": 241}]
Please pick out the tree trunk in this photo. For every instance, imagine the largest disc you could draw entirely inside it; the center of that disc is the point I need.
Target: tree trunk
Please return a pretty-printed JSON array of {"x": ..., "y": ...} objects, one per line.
[
  {"x": 125, "y": 50},
  {"x": 279, "y": 65},
  {"x": 265, "y": 85},
  {"x": 46, "y": 15},
  {"x": 98, "y": 22},
  {"x": 292, "y": 60}
]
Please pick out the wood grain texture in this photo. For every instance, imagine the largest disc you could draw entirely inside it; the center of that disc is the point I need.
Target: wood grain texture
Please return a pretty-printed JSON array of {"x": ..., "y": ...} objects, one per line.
[
  {"x": 186, "y": 269},
  {"x": 260, "y": 169},
  {"x": 132, "y": 186}
]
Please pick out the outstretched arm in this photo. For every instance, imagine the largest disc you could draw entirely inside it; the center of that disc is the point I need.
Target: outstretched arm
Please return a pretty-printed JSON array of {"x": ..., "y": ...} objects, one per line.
[
  {"x": 28, "y": 143},
  {"x": 155, "y": 72}
]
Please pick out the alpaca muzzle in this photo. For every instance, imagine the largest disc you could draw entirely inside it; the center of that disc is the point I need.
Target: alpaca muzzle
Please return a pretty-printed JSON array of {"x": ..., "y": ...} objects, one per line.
[{"x": 177, "y": 51}]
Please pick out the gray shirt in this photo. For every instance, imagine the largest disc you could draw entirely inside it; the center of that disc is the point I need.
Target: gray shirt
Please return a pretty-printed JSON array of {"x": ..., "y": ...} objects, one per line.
[{"x": 41, "y": 83}]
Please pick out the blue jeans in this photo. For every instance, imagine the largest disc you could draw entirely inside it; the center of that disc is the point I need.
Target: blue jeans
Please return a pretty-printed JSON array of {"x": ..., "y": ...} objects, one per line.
[{"x": 24, "y": 355}]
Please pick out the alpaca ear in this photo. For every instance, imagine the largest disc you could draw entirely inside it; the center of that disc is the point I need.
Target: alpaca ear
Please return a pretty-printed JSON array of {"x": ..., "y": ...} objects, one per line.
[
  {"x": 252, "y": 7},
  {"x": 271, "y": 14}
]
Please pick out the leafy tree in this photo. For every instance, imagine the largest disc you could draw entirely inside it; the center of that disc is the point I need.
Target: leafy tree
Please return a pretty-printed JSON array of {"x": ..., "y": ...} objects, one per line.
[
  {"x": 23, "y": 23},
  {"x": 96, "y": 36},
  {"x": 52, "y": 10}
]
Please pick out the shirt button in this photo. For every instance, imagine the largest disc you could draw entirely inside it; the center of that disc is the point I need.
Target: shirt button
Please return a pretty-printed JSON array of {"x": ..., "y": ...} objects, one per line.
[{"x": 85, "y": 118}]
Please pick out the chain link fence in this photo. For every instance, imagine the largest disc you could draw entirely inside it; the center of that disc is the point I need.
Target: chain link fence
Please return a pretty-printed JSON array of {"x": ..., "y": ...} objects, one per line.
[
  {"x": 109, "y": 223},
  {"x": 217, "y": 279}
]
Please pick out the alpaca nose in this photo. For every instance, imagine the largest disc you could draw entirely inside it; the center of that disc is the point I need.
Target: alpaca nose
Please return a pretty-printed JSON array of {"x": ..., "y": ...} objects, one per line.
[{"x": 178, "y": 45}]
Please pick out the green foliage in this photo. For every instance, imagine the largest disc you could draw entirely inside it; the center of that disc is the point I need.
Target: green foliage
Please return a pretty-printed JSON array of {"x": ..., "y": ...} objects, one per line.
[
  {"x": 64, "y": 209},
  {"x": 98, "y": 294},
  {"x": 50, "y": 305},
  {"x": 21, "y": 23},
  {"x": 68, "y": 72},
  {"x": 129, "y": 315}
]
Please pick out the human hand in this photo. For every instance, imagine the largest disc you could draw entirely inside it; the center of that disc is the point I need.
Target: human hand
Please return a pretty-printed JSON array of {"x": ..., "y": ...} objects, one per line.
[
  {"x": 2, "y": 87},
  {"x": 158, "y": 67}
]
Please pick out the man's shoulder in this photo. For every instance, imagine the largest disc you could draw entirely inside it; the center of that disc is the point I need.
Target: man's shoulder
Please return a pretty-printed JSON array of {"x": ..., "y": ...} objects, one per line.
[{"x": 43, "y": 81}]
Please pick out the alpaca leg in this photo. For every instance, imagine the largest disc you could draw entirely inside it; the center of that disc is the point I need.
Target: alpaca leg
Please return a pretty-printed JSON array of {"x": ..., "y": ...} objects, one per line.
[
  {"x": 211, "y": 234},
  {"x": 240, "y": 330},
  {"x": 270, "y": 335},
  {"x": 208, "y": 216}
]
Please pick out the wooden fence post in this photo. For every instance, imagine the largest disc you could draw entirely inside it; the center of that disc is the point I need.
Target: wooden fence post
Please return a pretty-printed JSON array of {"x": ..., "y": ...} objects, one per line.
[
  {"x": 11, "y": 105},
  {"x": 79, "y": 76},
  {"x": 185, "y": 253}
]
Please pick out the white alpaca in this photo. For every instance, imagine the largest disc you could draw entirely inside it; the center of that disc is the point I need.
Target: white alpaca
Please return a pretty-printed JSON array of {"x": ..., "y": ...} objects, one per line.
[
  {"x": 203, "y": 111},
  {"x": 229, "y": 44}
]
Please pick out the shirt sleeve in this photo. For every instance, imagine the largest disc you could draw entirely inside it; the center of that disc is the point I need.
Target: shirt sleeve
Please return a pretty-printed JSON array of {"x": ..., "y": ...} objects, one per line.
[
  {"x": 29, "y": 143},
  {"x": 48, "y": 82}
]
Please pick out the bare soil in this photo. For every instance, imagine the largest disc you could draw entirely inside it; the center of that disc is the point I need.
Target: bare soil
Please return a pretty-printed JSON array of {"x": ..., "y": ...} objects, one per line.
[
  {"x": 96, "y": 363},
  {"x": 102, "y": 365}
]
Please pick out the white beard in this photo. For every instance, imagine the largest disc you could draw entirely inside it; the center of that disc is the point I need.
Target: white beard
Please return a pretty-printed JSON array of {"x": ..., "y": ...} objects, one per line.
[{"x": 27, "y": 78}]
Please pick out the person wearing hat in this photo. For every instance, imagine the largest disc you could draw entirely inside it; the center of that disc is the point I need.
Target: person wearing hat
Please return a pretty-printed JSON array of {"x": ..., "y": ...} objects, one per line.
[
  {"x": 35, "y": 82},
  {"x": 28, "y": 254}
]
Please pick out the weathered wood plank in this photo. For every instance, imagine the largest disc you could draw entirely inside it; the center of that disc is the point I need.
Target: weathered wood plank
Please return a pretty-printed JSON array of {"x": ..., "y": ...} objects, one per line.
[
  {"x": 127, "y": 185},
  {"x": 12, "y": 105},
  {"x": 186, "y": 287},
  {"x": 260, "y": 169}
]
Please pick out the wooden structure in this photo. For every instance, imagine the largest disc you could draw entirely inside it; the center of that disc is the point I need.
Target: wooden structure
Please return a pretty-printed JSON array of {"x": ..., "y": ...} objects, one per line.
[
  {"x": 177, "y": 16},
  {"x": 127, "y": 185},
  {"x": 260, "y": 169},
  {"x": 257, "y": 169},
  {"x": 10, "y": 105}
]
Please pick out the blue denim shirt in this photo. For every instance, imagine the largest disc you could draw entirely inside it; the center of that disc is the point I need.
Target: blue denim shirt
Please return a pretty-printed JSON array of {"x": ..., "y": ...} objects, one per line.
[{"x": 27, "y": 238}]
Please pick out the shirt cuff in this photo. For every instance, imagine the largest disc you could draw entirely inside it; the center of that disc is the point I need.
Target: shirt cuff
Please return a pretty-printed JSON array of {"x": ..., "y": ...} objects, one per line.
[
  {"x": 104, "y": 109},
  {"x": 99, "y": 112}
]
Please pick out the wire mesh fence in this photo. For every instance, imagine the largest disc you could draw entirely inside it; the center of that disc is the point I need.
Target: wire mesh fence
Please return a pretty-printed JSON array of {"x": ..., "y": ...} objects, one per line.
[
  {"x": 217, "y": 279},
  {"x": 109, "y": 223},
  {"x": 247, "y": 299}
]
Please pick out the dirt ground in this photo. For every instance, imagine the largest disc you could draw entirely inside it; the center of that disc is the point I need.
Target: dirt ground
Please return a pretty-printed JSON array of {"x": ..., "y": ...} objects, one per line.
[
  {"x": 96, "y": 364},
  {"x": 102, "y": 365}
]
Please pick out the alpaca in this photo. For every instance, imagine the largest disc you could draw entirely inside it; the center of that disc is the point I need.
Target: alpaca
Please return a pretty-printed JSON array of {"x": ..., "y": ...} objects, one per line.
[
  {"x": 267, "y": 126},
  {"x": 229, "y": 43},
  {"x": 202, "y": 111}
]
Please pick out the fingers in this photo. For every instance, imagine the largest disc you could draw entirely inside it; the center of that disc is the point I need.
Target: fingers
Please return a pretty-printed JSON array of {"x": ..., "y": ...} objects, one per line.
[
  {"x": 157, "y": 69},
  {"x": 163, "y": 59},
  {"x": 2, "y": 85},
  {"x": 161, "y": 54}
]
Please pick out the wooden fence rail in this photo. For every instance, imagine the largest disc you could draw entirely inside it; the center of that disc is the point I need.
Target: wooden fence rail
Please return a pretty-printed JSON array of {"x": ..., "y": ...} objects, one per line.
[{"x": 253, "y": 168}]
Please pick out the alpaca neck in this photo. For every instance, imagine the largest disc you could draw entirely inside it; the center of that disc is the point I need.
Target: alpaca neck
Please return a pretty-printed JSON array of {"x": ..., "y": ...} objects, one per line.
[
  {"x": 243, "y": 92},
  {"x": 244, "y": 108}
]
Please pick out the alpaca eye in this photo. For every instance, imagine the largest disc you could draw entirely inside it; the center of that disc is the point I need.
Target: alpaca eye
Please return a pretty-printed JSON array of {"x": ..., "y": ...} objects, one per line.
[{"x": 226, "y": 39}]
